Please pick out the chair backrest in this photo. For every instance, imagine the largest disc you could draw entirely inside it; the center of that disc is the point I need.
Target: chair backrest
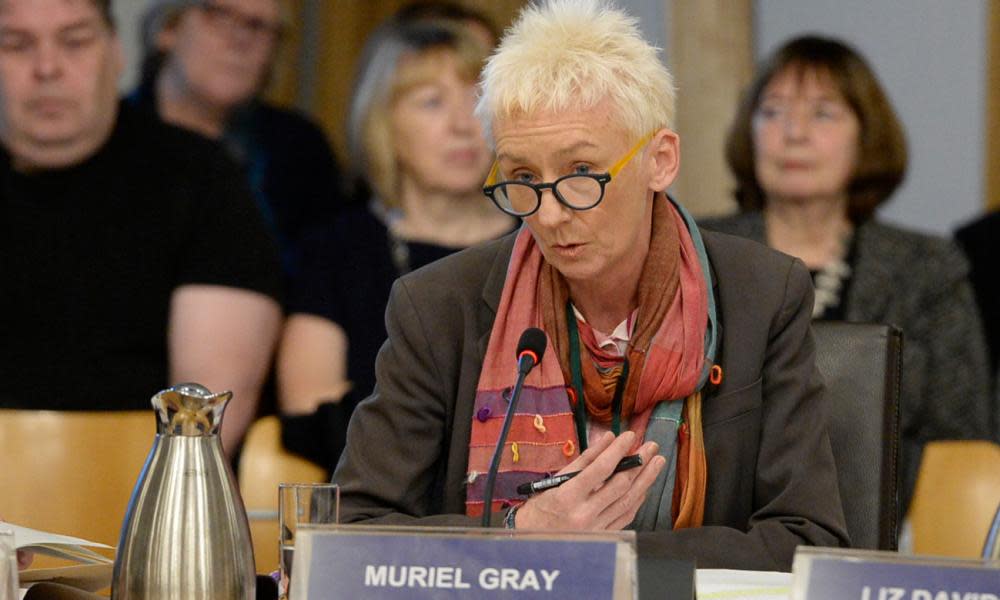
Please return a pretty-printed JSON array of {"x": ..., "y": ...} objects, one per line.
[
  {"x": 264, "y": 463},
  {"x": 957, "y": 493},
  {"x": 72, "y": 472},
  {"x": 861, "y": 366}
]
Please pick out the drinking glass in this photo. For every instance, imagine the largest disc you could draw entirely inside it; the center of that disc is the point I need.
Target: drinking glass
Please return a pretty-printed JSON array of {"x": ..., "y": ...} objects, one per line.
[
  {"x": 8, "y": 564},
  {"x": 300, "y": 503}
]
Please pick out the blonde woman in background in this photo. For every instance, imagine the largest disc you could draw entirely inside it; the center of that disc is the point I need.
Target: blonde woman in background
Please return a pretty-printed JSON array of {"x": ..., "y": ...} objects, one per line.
[{"x": 419, "y": 158}]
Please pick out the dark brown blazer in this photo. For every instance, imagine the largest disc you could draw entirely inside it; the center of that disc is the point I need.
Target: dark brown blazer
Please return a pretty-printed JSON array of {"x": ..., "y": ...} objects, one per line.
[{"x": 771, "y": 477}]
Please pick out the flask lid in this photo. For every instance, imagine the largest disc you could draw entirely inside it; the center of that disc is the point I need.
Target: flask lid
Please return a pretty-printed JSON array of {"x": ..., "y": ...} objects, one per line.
[{"x": 189, "y": 409}]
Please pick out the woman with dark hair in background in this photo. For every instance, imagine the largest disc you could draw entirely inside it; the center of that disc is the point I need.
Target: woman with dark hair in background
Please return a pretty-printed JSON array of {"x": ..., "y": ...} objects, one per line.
[
  {"x": 205, "y": 65},
  {"x": 420, "y": 159},
  {"x": 816, "y": 147}
]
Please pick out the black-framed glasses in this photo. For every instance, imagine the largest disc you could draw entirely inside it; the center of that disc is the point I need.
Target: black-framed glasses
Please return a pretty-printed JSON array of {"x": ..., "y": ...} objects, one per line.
[
  {"x": 232, "y": 19},
  {"x": 578, "y": 191}
]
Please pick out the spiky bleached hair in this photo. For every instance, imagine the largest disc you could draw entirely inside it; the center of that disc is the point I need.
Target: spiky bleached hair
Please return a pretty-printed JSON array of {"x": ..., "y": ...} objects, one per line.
[{"x": 570, "y": 55}]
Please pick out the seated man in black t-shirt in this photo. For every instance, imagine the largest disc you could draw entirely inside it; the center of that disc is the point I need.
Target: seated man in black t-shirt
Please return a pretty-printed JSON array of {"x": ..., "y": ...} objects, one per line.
[{"x": 131, "y": 254}]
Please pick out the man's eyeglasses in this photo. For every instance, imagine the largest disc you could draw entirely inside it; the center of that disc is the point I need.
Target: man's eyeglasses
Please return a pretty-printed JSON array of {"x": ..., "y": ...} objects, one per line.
[
  {"x": 232, "y": 19},
  {"x": 578, "y": 191}
]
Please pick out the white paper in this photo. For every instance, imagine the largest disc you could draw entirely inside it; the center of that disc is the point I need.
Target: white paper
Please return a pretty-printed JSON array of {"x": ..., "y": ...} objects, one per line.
[
  {"x": 89, "y": 578},
  {"x": 94, "y": 574},
  {"x": 25, "y": 537},
  {"x": 737, "y": 585}
]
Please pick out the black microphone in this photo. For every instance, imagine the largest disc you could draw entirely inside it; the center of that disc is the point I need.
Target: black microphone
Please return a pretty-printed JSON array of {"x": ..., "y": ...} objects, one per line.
[{"x": 530, "y": 350}]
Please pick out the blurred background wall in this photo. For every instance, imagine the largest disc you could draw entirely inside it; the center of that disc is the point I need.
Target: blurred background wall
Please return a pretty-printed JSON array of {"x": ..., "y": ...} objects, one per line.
[
  {"x": 933, "y": 57},
  {"x": 127, "y": 16}
]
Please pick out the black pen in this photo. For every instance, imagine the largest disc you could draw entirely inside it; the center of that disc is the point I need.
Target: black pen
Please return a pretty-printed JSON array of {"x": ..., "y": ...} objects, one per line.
[{"x": 534, "y": 487}]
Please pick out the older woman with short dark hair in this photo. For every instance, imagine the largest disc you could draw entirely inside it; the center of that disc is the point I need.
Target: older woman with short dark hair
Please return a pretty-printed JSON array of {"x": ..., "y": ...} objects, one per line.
[
  {"x": 881, "y": 154},
  {"x": 657, "y": 349},
  {"x": 816, "y": 147}
]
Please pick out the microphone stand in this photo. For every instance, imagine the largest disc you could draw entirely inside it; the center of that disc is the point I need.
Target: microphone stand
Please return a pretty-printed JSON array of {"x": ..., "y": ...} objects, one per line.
[{"x": 524, "y": 365}]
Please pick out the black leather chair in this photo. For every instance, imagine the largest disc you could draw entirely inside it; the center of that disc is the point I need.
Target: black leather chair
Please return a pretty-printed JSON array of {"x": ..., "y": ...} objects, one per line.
[{"x": 861, "y": 365}]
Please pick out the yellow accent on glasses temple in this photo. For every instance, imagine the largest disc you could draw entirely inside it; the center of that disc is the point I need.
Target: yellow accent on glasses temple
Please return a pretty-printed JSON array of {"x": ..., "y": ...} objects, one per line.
[
  {"x": 491, "y": 179},
  {"x": 618, "y": 166},
  {"x": 494, "y": 170}
]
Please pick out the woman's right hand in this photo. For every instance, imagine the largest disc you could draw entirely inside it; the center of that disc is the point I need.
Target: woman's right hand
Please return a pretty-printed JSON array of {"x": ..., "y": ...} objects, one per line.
[{"x": 597, "y": 498}]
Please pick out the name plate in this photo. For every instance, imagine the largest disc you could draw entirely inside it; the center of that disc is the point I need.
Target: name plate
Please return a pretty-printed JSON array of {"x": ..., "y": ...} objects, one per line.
[
  {"x": 828, "y": 574},
  {"x": 352, "y": 561}
]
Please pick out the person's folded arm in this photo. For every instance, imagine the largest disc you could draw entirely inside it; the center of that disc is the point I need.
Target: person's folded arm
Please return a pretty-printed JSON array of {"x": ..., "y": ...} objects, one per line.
[
  {"x": 795, "y": 495},
  {"x": 222, "y": 337},
  {"x": 311, "y": 364},
  {"x": 312, "y": 384}
]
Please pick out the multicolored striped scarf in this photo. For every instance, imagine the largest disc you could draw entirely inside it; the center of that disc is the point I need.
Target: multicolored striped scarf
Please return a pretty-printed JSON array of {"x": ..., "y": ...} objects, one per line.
[{"x": 666, "y": 353}]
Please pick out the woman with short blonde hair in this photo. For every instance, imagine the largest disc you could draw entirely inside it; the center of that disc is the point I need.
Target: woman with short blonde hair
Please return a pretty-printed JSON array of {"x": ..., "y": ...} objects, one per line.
[{"x": 655, "y": 348}]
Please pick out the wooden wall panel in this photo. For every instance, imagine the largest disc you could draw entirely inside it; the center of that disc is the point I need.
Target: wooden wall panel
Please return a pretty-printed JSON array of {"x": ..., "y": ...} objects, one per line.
[
  {"x": 992, "y": 163},
  {"x": 712, "y": 60},
  {"x": 283, "y": 86},
  {"x": 345, "y": 25}
]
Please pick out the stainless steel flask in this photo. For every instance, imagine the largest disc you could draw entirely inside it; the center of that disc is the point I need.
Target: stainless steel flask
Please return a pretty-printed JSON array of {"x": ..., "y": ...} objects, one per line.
[{"x": 185, "y": 535}]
